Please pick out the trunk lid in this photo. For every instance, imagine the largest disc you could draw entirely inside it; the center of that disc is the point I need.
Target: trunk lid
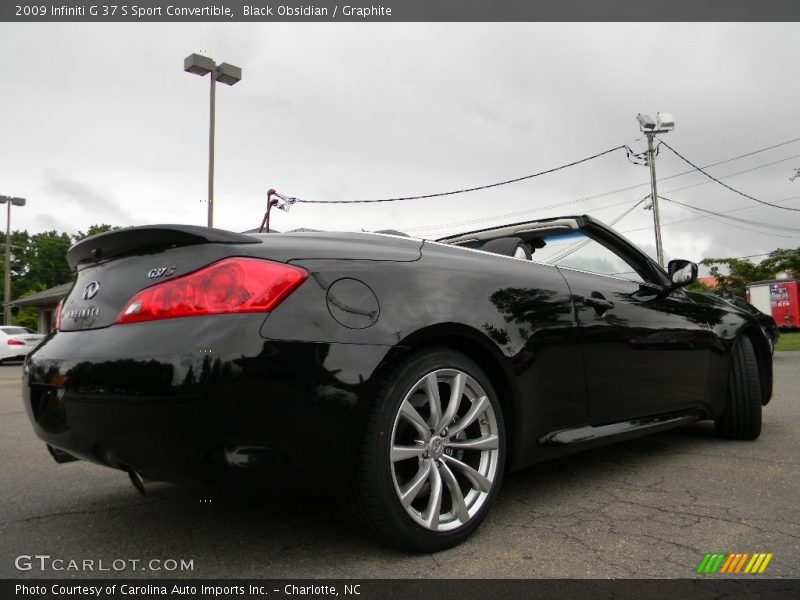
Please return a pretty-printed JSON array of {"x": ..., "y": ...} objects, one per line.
[{"x": 114, "y": 266}]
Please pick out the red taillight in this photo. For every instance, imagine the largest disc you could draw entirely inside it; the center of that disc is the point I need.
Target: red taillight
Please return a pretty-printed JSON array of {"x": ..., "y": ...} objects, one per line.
[
  {"x": 13, "y": 342},
  {"x": 56, "y": 325},
  {"x": 233, "y": 285}
]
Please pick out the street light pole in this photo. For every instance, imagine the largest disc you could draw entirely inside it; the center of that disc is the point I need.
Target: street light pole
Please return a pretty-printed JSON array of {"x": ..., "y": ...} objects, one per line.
[
  {"x": 197, "y": 64},
  {"x": 8, "y": 200},
  {"x": 211, "y": 126},
  {"x": 663, "y": 123}
]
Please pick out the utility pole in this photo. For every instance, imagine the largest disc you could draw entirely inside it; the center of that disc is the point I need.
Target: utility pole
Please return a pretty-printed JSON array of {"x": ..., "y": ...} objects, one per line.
[
  {"x": 663, "y": 123},
  {"x": 651, "y": 160},
  {"x": 8, "y": 200}
]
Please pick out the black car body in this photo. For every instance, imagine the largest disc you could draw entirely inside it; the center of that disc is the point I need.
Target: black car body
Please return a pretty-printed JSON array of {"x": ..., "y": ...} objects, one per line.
[
  {"x": 767, "y": 322},
  {"x": 305, "y": 393}
]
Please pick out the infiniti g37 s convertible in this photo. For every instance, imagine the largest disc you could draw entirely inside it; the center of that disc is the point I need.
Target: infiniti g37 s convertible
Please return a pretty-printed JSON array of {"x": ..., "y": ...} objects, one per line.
[{"x": 400, "y": 375}]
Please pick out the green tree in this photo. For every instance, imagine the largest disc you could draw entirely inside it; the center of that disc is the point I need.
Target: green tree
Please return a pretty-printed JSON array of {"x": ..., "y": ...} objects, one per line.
[
  {"x": 783, "y": 259},
  {"x": 44, "y": 263},
  {"x": 741, "y": 271},
  {"x": 93, "y": 230},
  {"x": 39, "y": 262}
]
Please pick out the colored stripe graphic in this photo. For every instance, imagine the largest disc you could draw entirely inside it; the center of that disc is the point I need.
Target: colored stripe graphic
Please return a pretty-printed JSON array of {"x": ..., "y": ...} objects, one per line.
[
  {"x": 703, "y": 563},
  {"x": 755, "y": 562},
  {"x": 718, "y": 564},
  {"x": 711, "y": 563},
  {"x": 731, "y": 560},
  {"x": 766, "y": 562},
  {"x": 741, "y": 562},
  {"x": 722, "y": 563}
]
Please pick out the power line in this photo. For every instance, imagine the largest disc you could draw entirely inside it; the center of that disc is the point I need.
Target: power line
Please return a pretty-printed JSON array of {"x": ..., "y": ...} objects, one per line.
[
  {"x": 729, "y": 258},
  {"x": 686, "y": 160},
  {"x": 725, "y": 212},
  {"x": 763, "y": 166},
  {"x": 738, "y": 219},
  {"x": 722, "y": 162},
  {"x": 289, "y": 200},
  {"x": 624, "y": 189},
  {"x": 572, "y": 248},
  {"x": 694, "y": 208},
  {"x": 748, "y": 256},
  {"x": 514, "y": 214},
  {"x": 579, "y": 200}
]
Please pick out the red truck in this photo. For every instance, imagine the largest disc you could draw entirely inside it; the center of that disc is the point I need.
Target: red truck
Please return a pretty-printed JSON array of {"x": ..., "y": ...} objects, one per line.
[{"x": 779, "y": 298}]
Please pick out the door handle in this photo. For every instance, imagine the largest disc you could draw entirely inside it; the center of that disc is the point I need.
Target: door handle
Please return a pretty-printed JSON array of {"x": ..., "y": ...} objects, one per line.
[{"x": 598, "y": 302}]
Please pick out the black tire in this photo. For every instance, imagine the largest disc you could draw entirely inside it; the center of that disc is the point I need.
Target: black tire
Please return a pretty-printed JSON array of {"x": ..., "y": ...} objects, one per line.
[
  {"x": 508, "y": 246},
  {"x": 374, "y": 505},
  {"x": 741, "y": 419}
]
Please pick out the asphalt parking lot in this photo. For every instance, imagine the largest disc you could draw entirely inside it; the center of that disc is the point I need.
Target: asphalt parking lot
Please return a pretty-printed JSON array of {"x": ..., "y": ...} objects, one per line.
[{"x": 648, "y": 508}]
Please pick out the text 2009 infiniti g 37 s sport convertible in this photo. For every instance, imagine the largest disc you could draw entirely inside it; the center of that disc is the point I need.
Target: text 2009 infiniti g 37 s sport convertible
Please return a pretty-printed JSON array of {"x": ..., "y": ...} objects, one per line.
[{"x": 401, "y": 375}]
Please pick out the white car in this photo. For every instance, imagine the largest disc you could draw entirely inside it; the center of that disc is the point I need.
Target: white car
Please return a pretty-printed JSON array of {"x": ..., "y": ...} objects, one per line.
[{"x": 16, "y": 342}]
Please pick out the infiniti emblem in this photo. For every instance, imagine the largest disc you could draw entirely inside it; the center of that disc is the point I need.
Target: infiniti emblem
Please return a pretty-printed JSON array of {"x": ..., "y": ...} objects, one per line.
[{"x": 90, "y": 291}]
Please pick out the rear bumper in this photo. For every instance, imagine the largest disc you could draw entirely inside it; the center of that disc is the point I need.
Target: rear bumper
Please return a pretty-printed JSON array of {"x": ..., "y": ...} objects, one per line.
[{"x": 204, "y": 401}]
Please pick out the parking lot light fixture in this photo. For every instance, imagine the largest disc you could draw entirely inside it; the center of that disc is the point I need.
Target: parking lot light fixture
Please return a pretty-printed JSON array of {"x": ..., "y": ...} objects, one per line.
[
  {"x": 197, "y": 64},
  {"x": 8, "y": 201}
]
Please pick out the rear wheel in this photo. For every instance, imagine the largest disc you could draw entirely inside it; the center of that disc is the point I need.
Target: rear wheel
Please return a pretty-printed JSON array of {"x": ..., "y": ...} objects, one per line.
[
  {"x": 433, "y": 454},
  {"x": 741, "y": 419}
]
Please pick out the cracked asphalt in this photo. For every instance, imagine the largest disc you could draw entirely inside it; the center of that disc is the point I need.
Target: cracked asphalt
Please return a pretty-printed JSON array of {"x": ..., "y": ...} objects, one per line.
[{"x": 646, "y": 508}]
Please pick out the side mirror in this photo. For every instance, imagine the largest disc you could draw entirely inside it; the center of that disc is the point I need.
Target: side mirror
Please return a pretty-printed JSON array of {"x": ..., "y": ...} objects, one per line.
[{"x": 682, "y": 272}]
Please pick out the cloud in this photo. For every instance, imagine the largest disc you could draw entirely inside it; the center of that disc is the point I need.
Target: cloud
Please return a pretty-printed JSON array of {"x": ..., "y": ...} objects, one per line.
[
  {"x": 339, "y": 110},
  {"x": 74, "y": 193}
]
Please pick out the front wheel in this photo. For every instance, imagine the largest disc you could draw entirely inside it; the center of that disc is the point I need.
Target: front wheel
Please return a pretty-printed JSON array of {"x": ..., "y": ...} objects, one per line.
[
  {"x": 741, "y": 419},
  {"x": 433, "y": 454}
]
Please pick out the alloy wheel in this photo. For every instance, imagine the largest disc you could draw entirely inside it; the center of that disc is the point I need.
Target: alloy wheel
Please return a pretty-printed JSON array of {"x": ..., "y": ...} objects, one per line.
[{"x": 444, "y": 450}]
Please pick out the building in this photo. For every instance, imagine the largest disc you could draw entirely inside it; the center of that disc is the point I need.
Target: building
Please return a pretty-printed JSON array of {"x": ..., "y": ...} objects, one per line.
[
  {"x": 45, "y": 302},
  {"x": 709, "y": 281}
]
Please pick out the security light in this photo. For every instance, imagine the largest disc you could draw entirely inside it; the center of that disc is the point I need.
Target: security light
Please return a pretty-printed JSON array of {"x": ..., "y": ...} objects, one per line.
[
  {"x": 228, "y": 74},
  {"x": 12, "y": 200},
  {"x": 198, "y": 64},
  {"x": 666, "y": 122},
  {"x": 646, "y": 122}
]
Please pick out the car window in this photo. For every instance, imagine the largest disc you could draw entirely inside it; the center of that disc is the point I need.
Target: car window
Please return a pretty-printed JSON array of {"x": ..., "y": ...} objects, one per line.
[
  {"x": 575, "y": 250},
  {"x": 14, "y": 330}
]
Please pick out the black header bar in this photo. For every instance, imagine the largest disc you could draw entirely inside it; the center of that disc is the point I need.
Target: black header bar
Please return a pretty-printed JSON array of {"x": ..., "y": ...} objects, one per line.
[{"x": 398, "y": 10}]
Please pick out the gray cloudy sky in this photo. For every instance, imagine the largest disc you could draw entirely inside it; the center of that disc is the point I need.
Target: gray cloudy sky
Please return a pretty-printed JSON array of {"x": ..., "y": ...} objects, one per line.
[{"x": 101, "y": 124}]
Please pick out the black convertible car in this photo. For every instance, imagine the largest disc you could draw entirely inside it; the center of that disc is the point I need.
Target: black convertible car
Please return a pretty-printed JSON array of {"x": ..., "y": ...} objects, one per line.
[{"x": 403, "y": 376}]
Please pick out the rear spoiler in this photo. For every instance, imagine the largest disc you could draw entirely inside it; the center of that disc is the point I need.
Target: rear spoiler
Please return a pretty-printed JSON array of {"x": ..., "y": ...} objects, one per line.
[{"x": 122, "y": 241}]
